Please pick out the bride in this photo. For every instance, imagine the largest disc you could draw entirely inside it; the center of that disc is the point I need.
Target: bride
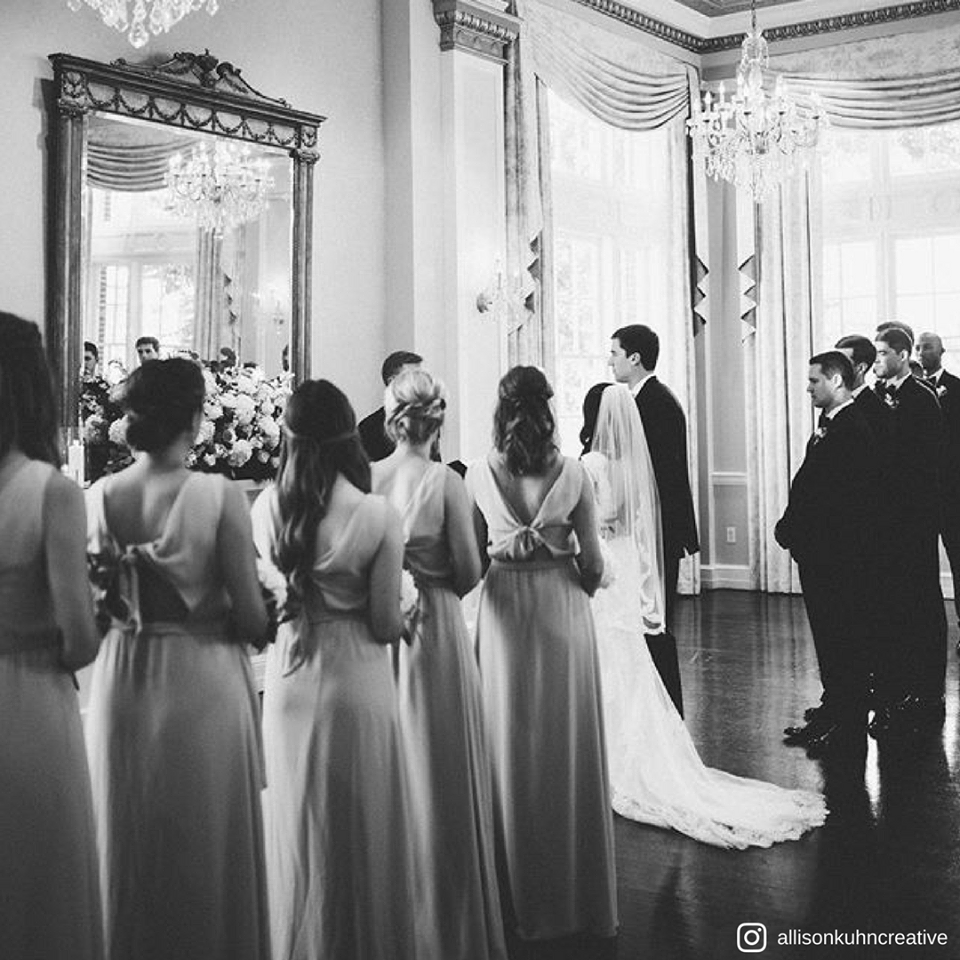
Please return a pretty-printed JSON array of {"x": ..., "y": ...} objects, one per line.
[{"x": 656, "y": 775}]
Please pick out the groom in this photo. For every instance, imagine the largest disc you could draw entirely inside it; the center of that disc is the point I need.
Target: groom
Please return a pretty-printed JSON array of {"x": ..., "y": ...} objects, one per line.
[{"x": 634, "y": 351}]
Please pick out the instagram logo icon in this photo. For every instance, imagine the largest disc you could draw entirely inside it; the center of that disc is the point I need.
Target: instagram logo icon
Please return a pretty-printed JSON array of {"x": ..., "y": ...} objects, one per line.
[{"x": 751, "y": 938}]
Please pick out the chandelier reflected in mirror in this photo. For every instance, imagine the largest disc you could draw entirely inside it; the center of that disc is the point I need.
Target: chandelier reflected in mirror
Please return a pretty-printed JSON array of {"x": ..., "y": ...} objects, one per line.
[
  {"x": 757, "y": 137},
  {"x": 138, "y": 23},
  {"x": 220, "y": 186}
]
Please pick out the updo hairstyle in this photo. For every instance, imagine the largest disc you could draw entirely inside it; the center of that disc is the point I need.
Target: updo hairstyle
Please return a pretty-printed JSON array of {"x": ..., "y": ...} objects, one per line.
[
  {"x": 160, "y": 399},
  {"x": 320, "y": 441},
  {"x": 28, "y": 410},
  {"x": 415, "y": 405},
  {"x": 523, "y": 424}
]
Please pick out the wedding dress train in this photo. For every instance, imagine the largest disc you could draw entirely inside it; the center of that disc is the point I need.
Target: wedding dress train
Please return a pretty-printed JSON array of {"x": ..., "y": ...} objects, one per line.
[{"x": 656, "y": 775}]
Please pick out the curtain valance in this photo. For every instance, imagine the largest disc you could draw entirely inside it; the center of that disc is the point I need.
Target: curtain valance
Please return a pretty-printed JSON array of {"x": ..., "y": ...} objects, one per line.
[
  {"x": 620, "y": 82},
  {"x": 882, "y": 83},
  {"x": 129, "y": 158}
]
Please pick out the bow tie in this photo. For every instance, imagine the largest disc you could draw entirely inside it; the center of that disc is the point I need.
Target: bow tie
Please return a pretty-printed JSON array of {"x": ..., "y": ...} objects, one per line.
[{"x": 885, "y": 389}]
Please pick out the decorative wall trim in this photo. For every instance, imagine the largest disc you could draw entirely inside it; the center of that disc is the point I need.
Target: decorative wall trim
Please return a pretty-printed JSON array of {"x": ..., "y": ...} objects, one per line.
[
  {"x": 475, "y": 27},
  {"x": 648, "y": 24},
  {"x": 726, "y": 576},
  {"x": 793, "y": 31}
]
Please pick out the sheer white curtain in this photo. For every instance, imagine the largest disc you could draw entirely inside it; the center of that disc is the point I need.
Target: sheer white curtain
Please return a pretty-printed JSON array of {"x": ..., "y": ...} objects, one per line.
[
  {"x": 611, "y": 243},
  {"x": 895, "y": 82}
]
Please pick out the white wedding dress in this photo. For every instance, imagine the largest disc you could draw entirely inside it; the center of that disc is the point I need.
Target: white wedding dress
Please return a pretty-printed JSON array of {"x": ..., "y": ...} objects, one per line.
[{"x": 656, "y": 775}]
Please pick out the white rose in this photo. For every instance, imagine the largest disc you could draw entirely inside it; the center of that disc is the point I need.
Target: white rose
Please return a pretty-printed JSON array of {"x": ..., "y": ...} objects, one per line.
[
  {"x": 228, "y": 401},
  {"x": 245, "y": 408},
  {"x": 269, "y": 430},
  {"x": 118, "y": 431},
  {"x": 267, "y": 407},
  {"x": 209, "y": 459},
  {"x": 246, "y": 385},
  {"x": 212, "y": 410},
  {"x": 205, "y": 433},
  {"x": 240, "y": 454}
]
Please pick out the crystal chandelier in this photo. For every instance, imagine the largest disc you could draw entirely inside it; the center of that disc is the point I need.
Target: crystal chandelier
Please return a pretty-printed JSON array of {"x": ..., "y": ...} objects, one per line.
[
  {"x": 219, "y": 187},
  {"x": 754, "y": 138},
  {"x": 139, "y": 24}
]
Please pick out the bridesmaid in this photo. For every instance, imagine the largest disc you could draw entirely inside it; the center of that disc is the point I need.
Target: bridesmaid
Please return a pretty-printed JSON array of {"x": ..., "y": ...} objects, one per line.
[
  {"x": 339, "y": 857},
  {"x": 538, "y": 661},
  {"x": 49, "y": 894},
  {"x": 440, "y": 706},
  {"x": 172, "y": 727}
]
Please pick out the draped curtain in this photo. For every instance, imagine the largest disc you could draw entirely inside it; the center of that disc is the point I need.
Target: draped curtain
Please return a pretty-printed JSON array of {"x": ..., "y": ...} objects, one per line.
[
  {"x": 631, "y": 87},
  {"x": 129, "y": 158},
  {"x": 895, "y": 82}
]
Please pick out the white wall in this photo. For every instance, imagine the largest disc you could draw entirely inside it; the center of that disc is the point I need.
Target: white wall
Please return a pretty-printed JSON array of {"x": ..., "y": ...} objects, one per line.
[{"x": 323, "y": 56}]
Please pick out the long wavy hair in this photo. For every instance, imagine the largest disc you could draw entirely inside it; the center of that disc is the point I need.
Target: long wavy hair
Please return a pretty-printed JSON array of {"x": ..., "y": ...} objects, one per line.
[
  {"x": 28, "y": 409},
  {"x": 524, "y": 429},
  {"x": 320, "y": 441}
]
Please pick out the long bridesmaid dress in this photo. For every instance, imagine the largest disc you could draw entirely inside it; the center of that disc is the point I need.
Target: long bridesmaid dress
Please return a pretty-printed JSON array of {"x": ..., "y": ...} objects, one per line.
[
  {"x": 174, "y": 749},
  {"x": 541, "y": 692},
  {"x": 339, "y": 857},
  {"x": 441, "y": 714},
  {"x": 49, "y": 890}
]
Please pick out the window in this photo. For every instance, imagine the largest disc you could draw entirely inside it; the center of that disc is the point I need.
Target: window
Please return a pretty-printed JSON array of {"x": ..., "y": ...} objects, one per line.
[
  {"x": 615, "y": 242},
  {"x": 890, "y": 202}
]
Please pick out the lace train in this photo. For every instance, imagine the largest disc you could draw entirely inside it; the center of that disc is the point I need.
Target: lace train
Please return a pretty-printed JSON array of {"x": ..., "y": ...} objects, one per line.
[{"x": 656, "y": 775}]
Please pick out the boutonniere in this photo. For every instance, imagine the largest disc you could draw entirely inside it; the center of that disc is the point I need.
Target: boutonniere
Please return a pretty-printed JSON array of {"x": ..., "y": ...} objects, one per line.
[
  {"x": 891, "y": 399},
  {"x": 819, "y": 433},
  {"x": 941, "y": 391}
]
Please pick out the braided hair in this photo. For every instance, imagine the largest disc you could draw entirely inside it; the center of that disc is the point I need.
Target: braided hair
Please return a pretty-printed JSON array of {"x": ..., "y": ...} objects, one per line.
[{"x": 415, "y": 405}]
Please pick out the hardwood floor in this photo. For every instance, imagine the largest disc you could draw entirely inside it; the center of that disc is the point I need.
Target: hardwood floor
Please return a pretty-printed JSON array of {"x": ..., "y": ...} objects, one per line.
[{"x": 886, "y": 861}]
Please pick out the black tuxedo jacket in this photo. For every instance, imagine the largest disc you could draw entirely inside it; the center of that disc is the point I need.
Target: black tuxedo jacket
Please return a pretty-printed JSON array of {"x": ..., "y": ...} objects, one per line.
[
  {"x": 948, "y": 393},
  {"x": 666, "y": 428},
  {"x": 879, "y": 417},
  {"x": 373, "y": 437},
  {"x": 833, "y": 513},
  {"x": 915, "y": 456}
]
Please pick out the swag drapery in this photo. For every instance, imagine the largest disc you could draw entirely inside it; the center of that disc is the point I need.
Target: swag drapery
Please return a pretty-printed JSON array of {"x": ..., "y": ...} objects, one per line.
[
  {"x": 631, "y": 87},
  {"x": 895, "y": 82}
]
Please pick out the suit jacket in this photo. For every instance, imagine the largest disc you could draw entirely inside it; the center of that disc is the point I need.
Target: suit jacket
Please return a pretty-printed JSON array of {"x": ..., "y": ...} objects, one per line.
[
  {"x": 373, "y": 436},
  {"x": 666, "y": 428},
  {"x": 915, "y": 457},
  {"x": 833, "y": 513},
  {"x": 379, "y": 446},
  {"x": 948, "y": 393},
  {"x": 878, "y": 416}
]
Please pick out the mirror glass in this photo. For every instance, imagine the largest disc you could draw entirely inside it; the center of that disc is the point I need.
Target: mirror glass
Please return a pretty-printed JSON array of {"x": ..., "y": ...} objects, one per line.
[{"x": 187, "y": 240}]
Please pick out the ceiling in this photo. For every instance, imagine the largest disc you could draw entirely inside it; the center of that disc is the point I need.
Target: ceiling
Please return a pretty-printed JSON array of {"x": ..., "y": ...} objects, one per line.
[
  {"x": 710, "y": 26},
  {"x": 720, "y": 8}
]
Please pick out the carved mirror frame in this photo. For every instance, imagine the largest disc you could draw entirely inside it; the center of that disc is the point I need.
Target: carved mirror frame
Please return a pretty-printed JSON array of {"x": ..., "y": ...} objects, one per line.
[{"x": 195, "y": 92}]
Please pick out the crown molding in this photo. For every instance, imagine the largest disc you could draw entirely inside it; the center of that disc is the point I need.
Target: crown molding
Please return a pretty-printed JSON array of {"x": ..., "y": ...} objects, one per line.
[
  {"x": 793, "y": 31},
  {"x": 474, "y": 26}
]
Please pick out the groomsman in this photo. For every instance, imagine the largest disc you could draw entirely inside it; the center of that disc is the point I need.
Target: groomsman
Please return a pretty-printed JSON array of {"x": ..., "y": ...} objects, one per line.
[
  {"x": 373, "y": 437},
  {"x": 947, "y": 388},
  {"x": 910, "y": 675},
  {"x": 829, "y": 527},
  {"x": 863, "y": 354},
  {"x": 634, "y": 351}
]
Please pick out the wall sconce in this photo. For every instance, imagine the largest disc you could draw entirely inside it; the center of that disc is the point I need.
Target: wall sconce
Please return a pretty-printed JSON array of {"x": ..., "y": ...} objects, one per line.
[{"x": 503, "y": 299}]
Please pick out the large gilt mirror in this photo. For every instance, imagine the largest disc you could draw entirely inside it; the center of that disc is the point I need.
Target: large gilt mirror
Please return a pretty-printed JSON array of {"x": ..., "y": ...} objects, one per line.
[{"x": 181, "y": 216}]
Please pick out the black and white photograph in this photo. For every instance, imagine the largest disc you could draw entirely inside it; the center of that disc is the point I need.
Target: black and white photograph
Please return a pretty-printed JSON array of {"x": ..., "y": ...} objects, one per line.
[{"x": 480, "y": 479}]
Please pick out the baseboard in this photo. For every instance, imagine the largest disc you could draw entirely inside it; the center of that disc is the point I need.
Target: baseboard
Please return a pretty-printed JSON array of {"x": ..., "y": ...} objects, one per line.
[{"x": 726, "y": 576}]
